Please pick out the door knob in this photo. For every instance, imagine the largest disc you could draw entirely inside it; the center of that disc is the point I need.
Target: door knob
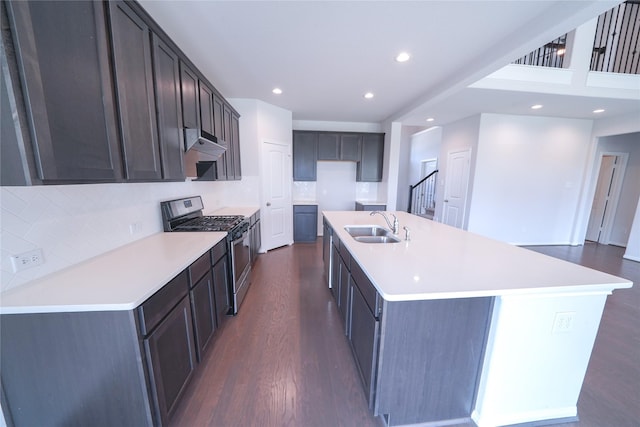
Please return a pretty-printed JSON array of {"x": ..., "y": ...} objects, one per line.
[
  {"x": 268, "y": 203},
  {"x": 446, "y": 201}
]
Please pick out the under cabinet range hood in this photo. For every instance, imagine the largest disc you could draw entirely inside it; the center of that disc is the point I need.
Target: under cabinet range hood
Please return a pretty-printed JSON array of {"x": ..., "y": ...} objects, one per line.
[{"x": 203, "y": 142}]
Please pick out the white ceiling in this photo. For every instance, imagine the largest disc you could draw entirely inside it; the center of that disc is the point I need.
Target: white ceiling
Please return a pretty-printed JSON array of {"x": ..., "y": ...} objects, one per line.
[{"x": 325, "y": 55}]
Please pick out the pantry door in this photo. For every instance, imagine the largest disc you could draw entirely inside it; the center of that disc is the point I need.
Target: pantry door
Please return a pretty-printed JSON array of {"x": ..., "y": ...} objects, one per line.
[
  {"x": 277, "y": 209},
  {"x": 455, "y": 188}
]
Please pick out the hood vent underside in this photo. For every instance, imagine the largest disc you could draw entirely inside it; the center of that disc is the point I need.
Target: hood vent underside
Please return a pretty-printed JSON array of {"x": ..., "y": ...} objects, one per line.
[{"x": 203, "y": 142}]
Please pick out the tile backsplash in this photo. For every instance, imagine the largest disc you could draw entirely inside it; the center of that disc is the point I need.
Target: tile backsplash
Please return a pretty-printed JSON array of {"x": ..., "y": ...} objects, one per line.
[{"x": 72, "y": 223}]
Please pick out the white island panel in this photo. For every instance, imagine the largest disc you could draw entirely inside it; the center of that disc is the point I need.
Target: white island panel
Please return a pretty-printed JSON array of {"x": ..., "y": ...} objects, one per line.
[{"x": 536, "y": 357}]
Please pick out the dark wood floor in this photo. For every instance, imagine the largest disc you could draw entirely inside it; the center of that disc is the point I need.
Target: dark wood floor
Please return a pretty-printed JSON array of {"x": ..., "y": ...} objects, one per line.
[{"x": 284, "y": 361}]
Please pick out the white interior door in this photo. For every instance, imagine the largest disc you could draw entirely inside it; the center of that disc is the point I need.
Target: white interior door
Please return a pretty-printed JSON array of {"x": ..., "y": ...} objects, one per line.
[
  {"x": 455, "y": 188},
  {"x": 277, "y": 221},
  {"x": 606, "y": 197},
  {"x": 600, "y": 198}
]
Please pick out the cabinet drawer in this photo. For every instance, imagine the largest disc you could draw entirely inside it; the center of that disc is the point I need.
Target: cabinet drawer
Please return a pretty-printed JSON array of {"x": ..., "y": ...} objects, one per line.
[
  {"x": 368, "y": 291},
  {"x": 154, "y": 309},
  {"x": 199, "y": 268},
  {"x": 219, "y": 250}
]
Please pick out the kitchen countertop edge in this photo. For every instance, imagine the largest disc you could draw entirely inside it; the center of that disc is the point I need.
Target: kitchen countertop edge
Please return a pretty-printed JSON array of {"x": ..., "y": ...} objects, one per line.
[
  {"x": 120, "y": 279},
  {"x": 421, "y": 269}
]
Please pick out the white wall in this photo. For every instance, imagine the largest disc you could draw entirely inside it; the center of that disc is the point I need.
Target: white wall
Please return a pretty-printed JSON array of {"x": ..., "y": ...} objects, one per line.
[
  {"x": 425, "y": 145},
  {"x": 405, "y": 164},
  {"x": 528, "y": 178},
  {"x": 72, "y": 223},
  {"x": 457, "y": 136}
]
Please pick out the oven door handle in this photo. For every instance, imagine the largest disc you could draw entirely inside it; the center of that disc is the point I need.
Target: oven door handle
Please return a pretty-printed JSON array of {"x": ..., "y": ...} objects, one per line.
[{"x": 240, "y": 237}]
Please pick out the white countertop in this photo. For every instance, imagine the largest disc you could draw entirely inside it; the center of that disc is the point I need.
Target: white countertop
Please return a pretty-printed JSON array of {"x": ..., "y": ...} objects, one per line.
[
  {"x": 117, "y": 280},
  {"x": 444, "y": 262}
]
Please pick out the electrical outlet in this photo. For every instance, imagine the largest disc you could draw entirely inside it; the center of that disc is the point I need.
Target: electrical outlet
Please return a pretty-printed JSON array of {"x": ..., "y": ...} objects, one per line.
[
  {"x": 26, "y": 260},
  {"x": 135, "y": 228},
  {"x": 563, "y": 322}
]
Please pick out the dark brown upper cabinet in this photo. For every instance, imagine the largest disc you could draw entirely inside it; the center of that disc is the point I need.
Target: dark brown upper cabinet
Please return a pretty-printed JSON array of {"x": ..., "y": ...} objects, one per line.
[
  {"x": 369, "y": 167},
  {"x": 218, "y": 120},
  {"x": 190, "y": 97},
  {"x": 166, "y": 66},
  {"x": 235, "y": 146},
  {"x": 228, "y": 165},
  {"x": 69, "y": 103},
  {"x": 305, "y": 155},
  {"x": 366, "y": 149},
  {"x": 350, "y": 147},
  {"x": 328, "y": 146},
  {"x": 339, "y": 146},
  {"x": 206, "y": 108},
  {"x": 97, "y": 92},
  {"x": 131, "y": 42}
]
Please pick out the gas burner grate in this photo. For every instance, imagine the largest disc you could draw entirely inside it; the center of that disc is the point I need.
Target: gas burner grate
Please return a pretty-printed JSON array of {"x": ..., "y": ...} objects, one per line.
[{"x": 211, "y": 223}]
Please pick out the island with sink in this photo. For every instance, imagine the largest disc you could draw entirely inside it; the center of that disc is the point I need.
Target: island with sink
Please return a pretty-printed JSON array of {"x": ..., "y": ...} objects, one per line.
[{"x": 447, "y": 326}]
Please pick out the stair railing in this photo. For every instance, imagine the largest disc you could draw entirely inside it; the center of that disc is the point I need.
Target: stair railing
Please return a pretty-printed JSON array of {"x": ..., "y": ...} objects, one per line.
[{"x": 422, "y": 195}]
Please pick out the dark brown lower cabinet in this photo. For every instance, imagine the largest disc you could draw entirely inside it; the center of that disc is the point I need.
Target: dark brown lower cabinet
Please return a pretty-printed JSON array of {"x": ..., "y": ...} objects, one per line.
[
  {"x": 221, "y": 289},
  {"x": 204, "y": 317},
  {"x": 364, "y": 336},
  {"x": 335, "y": 270},
  {"x": 344, "y": 292},
  {"x": 74, "y": 369},
  {"x": 419, "y": 361},
  {"x": 113, "y": 368},
  {"x": 171, "y": 354},
  {"x": 305, "y": 223}
]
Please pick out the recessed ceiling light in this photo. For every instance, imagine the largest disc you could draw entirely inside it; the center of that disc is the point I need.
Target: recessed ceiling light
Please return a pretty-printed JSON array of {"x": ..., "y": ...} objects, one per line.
[
  {"x": 277, "y": 91},
  {"x": 430, "y": 119},
  {"x": 368, "y": 95},
  {"x": 403, "y": 57},
  {"x": 599, "y": 110},
  {"x": 536, "y": 107},
  {"x": 560, "y": 52}
]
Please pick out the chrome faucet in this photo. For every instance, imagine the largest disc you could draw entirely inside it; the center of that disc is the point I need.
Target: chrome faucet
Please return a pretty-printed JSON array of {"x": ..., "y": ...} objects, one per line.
[{"x": 395, "y": 227}]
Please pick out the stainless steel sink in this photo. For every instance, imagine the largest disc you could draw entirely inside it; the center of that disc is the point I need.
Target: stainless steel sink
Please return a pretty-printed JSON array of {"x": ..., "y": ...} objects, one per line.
[
  {"x": 377, "y": 239},
  {"x": 371, "y": 234}
]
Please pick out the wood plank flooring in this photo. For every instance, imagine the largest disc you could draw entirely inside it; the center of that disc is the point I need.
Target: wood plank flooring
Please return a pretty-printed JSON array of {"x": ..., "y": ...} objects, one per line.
[{"x": 284, "y": 360}]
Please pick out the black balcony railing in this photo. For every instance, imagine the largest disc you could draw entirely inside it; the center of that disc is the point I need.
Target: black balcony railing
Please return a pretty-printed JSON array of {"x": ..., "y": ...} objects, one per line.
[
  {"x": 549, "y": 55},
  {"x": 616, "y": 44}
]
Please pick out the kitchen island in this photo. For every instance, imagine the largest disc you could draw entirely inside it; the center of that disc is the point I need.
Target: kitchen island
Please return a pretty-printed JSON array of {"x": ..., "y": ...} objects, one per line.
[{"x": 457, "y": 326}]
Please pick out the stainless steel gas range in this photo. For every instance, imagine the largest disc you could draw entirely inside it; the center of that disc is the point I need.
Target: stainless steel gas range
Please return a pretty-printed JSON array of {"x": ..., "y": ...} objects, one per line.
[{"x": 186, "y": 215}]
